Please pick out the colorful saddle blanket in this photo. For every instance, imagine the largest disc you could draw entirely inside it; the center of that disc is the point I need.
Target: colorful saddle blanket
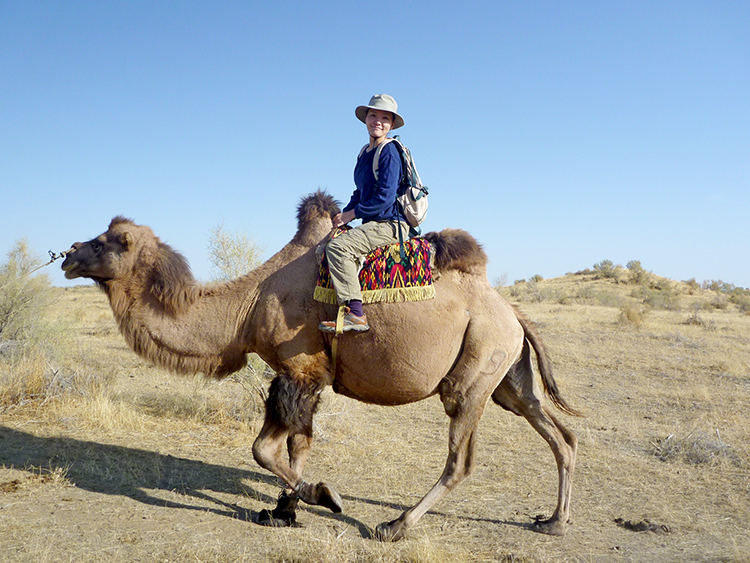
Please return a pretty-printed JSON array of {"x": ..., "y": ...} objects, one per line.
[{"x": 384, "y": 277}]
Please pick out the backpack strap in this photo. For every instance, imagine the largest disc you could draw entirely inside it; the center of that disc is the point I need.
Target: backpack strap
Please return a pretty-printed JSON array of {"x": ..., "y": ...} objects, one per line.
[{"x": 376, "y": 158}]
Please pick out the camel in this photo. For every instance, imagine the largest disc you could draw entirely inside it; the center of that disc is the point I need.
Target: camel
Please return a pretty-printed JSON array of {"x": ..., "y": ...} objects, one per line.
[{"x": 467, "y": 345}]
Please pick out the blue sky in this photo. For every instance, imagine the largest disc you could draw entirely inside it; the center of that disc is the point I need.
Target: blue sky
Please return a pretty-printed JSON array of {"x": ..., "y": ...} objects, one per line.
[{"x": 558, "y": 133}]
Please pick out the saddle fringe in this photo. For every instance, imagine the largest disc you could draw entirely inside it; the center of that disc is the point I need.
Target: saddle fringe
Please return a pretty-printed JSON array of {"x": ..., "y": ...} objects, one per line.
[{"x": 387, "y": 295}]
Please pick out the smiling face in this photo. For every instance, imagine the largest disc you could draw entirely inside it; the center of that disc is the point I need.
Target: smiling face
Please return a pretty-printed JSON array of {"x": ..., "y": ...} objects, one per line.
[{"x": 379, "y": 123}]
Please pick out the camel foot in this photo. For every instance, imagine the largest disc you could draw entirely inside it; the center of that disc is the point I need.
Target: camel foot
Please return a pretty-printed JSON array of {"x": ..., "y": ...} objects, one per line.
[
  {"x": 283, "y": 516},
  {"x": 552, "y": 526},
  {"x": 320, "y": 495},
  {"x": 390, "y": 531}
]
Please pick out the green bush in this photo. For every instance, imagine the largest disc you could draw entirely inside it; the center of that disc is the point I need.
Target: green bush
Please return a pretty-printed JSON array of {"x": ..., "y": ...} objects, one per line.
[
  {"x": 606, "y": 269},
  {"x": 661, "y": 296},
  {"x": 638, "y": 275},
  {"x": 692, "y": 285}
]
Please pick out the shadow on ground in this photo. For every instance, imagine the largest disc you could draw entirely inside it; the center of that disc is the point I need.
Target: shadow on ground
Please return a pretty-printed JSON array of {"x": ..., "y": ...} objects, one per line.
[{"x": 130, "y": 472}]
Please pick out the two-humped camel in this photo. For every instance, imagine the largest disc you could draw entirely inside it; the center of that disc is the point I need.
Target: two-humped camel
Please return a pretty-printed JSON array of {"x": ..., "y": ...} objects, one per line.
[{"x": 467, "y": 345}]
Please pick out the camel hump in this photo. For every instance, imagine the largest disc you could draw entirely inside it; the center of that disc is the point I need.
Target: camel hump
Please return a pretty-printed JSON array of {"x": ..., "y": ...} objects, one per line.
[
  {"x": 456, "y": 249},
  {"x": 316, "y": 205}
]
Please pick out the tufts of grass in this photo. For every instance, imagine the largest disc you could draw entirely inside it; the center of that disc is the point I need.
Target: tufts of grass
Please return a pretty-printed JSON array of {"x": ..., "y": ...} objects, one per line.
[
  {"x": 633, "y": 315},
  {"x": 696, "y": 448}
]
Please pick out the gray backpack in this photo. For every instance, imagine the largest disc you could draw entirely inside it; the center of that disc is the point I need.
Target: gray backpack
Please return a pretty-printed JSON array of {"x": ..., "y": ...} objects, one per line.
[{"x": 411, "y": 195}]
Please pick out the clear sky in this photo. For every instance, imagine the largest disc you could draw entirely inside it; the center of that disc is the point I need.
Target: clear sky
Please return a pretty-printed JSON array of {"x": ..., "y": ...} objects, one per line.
[{"x": 560, "y": 134}]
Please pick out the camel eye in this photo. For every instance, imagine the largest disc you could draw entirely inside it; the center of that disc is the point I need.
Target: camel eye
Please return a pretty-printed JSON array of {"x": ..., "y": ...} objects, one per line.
[{"x": 96, "y": 246}]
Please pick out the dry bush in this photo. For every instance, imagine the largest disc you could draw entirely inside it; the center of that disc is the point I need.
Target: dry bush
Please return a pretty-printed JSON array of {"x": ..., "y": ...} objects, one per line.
[
  {"x": 30, "y": 344},
  {"x": 633, "y": 315},
  {"x": 696, "y": 448},
  {"x": 232, "y": 254}
]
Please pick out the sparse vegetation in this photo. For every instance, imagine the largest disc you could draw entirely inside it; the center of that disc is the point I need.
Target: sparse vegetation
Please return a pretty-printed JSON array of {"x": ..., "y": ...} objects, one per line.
[
  {"x": 697, "y": 447},
  {"x": 638, "y": 275},
  {"x": 233, "y": 254},
  {"x": 107, "y": 454},
  {"x": 606, "y": 269},
  {"x": 30, "y": 344}
]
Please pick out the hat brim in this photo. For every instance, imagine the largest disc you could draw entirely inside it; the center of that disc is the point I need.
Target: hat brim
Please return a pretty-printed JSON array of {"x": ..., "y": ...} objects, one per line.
[{"x": 361, "y": 113}]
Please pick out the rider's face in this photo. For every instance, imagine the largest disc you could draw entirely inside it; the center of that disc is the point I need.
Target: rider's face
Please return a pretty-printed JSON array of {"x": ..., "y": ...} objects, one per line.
[{"x": 378, "y": 123}]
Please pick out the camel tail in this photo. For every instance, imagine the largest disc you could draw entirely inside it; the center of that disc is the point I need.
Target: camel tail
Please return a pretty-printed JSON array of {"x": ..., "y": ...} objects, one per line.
[{"x": 544, "y": 364}]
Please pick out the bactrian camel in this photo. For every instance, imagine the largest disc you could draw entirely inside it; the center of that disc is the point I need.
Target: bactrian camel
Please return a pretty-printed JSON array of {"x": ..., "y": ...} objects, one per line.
[{"x": 466, "y": 345}]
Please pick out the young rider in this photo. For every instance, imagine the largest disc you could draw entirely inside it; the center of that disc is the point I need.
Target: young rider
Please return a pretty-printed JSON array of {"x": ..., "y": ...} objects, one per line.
[{"x": 374, "y": 202}]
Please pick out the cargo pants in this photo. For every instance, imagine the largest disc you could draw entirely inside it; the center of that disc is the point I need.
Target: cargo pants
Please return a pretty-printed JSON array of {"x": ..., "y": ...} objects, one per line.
[{"x": 344, "y": 253}]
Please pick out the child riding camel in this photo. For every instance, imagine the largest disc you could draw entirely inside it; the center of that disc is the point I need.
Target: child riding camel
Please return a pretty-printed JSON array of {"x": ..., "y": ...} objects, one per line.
[{"x": 374, "y": 202}]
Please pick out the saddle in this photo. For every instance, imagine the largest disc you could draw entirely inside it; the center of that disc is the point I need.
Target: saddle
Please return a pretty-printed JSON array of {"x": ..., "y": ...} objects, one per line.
[{"x": 387, "y": 276}]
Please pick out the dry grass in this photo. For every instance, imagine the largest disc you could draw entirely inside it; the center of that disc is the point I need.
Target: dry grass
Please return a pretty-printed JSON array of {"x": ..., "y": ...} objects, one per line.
[{"x": 105, "y": 457}]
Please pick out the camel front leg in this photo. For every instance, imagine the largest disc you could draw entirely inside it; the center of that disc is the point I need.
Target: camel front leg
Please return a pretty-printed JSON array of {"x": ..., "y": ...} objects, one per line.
[
  {"x": 460, "y": 464},
  {"x": 289, "y": 412}
]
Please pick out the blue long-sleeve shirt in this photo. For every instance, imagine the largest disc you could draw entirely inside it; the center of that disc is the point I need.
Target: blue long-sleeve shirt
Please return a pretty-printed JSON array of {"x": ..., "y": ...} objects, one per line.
[{"x": 371, "y": 200}]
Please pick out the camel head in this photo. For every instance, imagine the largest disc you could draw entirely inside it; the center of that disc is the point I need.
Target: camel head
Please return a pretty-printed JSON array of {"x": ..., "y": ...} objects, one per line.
[{"x": 117, "y": 254}]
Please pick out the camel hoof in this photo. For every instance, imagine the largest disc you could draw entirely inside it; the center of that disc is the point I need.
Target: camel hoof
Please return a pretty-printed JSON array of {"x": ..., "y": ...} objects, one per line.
[
  {"x": 552, "y": 527},
  {"x": 267, "y": 518},
  {"x": 283, "y": 516},
  {"x": 329, "y": 498},
  {"x": 390, "y": 531}
]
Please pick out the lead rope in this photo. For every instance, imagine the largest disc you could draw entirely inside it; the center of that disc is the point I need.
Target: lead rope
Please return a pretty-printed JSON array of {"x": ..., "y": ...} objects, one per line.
[
  {"x": 335, "y": 343},
  {"x": 52, "y": 258}
]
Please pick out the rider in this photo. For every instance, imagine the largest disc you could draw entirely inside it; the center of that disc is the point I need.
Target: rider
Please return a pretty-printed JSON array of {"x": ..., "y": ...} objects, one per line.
[{"x": 374, "y": 202}]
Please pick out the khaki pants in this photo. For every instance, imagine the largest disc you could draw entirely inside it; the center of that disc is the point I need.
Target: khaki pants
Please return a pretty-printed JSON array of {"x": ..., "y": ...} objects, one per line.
[{"x": 345, "y": 250}]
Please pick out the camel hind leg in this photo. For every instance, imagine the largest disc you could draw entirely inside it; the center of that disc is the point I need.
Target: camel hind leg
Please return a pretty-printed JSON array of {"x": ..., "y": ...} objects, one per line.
[
  {"x": 519, "y": 393},
  {"x": 464, "y": 393}
]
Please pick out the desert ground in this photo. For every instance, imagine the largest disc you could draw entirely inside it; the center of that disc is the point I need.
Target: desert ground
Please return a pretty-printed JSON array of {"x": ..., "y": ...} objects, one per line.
[{"x": 105, "y": 458}]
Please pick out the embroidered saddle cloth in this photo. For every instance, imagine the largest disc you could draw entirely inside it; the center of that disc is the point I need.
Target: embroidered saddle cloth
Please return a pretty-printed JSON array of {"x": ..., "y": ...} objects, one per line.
[{"x": 385, "y": 277}]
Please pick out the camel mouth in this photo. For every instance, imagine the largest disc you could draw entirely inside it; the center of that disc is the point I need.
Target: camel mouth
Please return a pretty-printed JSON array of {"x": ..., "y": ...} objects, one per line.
[{"x": 69, "y": 269}]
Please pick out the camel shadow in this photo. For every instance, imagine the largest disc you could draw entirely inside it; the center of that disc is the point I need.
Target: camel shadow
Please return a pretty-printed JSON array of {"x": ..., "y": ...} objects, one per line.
[
  {"x": 130, "y": 472},
  {"x": 142, "y": 475}
]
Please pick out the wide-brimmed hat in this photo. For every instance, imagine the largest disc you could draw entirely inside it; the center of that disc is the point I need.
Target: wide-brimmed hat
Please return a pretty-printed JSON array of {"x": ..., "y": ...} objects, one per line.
[{"x": 382, "y": 102}]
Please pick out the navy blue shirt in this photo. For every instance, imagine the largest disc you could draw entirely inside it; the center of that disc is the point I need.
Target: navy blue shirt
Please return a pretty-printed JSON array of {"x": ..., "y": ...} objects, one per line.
[{"x": 371, "y": 200}]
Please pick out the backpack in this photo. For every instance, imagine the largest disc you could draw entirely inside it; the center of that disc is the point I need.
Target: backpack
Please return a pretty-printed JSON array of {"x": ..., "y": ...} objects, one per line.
[{"x": 411, "y": 194}]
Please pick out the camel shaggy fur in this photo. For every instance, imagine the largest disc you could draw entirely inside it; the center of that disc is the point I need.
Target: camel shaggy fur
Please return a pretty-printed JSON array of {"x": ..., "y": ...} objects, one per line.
[{"x": 468, "y": 345}]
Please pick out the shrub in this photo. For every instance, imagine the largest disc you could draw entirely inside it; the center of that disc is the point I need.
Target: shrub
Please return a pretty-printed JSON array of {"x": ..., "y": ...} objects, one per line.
[
  {"x": 606, "y": 269},
  {"x": 536, "y": 278},
  {"x": 233, "y": 254},
  {"x": 501, "y": 280},
  {"x": 29, "y": 343},
  {"x": 695, "y": 448},
  {"x": 610, "y": 299},
  {"x": 662, "y": 296},
  {"x": 23, "y": 300},
  {"x": 633, "y": 315},
  {"x": 741, "y": 298},
  {"x": 692, "y": 285},
  {"x": 638, "y": 275}
]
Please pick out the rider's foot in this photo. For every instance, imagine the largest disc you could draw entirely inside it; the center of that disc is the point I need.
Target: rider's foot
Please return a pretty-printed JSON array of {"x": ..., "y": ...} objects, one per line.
[{"x": 351, "y": 322}]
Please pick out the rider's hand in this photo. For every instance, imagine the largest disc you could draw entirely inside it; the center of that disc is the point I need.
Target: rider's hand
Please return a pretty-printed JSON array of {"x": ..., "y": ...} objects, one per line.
[{"x": 343, "y": 218}]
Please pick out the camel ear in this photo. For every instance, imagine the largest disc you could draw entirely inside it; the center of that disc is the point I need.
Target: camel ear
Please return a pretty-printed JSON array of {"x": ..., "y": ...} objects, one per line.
[{"x": 126, "y": 239}]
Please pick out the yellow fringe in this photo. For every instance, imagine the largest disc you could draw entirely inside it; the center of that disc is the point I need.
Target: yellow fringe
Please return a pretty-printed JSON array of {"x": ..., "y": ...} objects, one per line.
[{"x": 388, "y": 295}]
